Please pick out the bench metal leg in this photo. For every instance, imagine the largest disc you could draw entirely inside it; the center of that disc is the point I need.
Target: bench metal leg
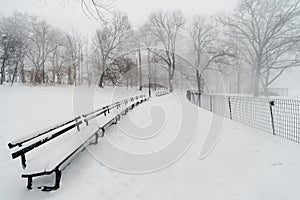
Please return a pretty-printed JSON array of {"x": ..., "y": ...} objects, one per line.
[
  {"x": 116, "y": 121},
  {"x": 57, "y": 179},
  {"x": 56, "y": 186},
  {"x": 29, "y": 183},
  {"x": 103, "y": 131},
  {"x": 23, "y": 161},
  {"x": 96, "y": 138},
  {"x": 125, "y": 111}
]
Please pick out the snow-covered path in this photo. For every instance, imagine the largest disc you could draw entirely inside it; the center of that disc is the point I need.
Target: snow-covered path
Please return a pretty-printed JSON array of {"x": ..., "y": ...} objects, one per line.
[{"x": 245, "y": 163}]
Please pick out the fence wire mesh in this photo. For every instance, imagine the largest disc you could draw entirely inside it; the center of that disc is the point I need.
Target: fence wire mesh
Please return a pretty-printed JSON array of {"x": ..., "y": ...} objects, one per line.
[{"x": 280, "y": 117}]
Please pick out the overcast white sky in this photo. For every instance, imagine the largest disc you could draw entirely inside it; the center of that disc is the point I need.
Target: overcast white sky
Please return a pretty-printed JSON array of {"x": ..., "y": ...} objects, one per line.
[{"x": 67, "y": 14}]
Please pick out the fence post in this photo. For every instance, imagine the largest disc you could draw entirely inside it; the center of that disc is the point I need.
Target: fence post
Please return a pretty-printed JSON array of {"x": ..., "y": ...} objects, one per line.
[
  {"x": 199, "y": 99},
  {"x": 229, "y": 103},
  {"x": 272, "y": 103}
]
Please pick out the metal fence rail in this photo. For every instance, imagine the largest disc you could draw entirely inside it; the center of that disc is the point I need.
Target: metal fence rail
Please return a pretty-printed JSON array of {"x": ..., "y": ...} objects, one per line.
[{"x": 280, "y": 117}]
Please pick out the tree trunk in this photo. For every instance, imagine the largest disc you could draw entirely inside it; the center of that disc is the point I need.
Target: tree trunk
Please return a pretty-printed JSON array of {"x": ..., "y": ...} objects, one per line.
[
  {"x": 53, "y": 76},
  {"x": 22, "y": 73},
  {"x": 127, "y": 81},
  {"x": 136, "y": 73},
  {"x": 198, "y": 75},
  {"x": 251, "y": 89},
  {"x": 170, "y": 79},
  {"x": 155, "y": 78},
  {"x": 101, "y": 80},
  {"x": 79, "y": 70},
  {"x": 266, "y": 91},
  {"x": 59, "y": 81},
  {"x": 112, "y": 80},
  {"x": 266, "y": 84},
  {"x": 43, "y": 67},
  {"x": 140, "y": 69},
  {"x": 149, "y": 75},
  {"x": 74, "y": 75},
  {"x": 257, "y": 75},
  {"x": 15, "y": 73},
  {"x": 256, "y": 84},
  {"x": 69, "y": 75},
  {"x": 238, "y": 82},
  {"x": 3, "y": 72},
  {"x": 171, "y": 85}
]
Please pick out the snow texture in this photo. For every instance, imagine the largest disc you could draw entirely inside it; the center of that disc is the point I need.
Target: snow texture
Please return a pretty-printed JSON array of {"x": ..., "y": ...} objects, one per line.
[{"x": 245, "y": 163}]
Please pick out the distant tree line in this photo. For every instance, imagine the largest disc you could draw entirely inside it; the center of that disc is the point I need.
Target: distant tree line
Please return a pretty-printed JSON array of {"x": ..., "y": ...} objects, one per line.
[{"x": 249, "y": 48}]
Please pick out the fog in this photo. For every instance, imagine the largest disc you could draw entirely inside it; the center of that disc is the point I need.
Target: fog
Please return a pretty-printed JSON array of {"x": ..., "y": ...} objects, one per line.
[{"x": 68, "y": 15}]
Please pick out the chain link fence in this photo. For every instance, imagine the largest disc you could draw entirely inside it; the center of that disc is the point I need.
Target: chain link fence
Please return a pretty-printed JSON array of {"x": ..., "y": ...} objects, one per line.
[{"x": 280, "y": 117}]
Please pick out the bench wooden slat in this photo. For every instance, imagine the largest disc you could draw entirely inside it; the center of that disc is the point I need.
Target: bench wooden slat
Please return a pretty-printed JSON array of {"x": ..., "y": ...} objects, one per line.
[
  {"x": 44, "y": 140},
  {"x": 72, "y": 141},
  {"x": 50, "y": 156},
  {"x": 58, "y": 153},
  {"x": 27, "y": 138}
]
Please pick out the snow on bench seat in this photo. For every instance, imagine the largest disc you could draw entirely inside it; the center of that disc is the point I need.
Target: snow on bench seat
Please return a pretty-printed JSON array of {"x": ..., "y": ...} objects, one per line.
[
  {"x": 52, "y": 150},
  {"x": 49, "y": 156}
]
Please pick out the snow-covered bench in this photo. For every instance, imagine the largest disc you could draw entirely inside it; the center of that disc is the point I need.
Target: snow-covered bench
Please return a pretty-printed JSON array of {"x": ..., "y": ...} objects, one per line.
[{"x": 50, "y": 151}]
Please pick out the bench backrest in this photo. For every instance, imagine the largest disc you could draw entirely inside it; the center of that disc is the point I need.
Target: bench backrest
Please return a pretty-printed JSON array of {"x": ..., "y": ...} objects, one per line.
[{"x": 28, "y": 143}]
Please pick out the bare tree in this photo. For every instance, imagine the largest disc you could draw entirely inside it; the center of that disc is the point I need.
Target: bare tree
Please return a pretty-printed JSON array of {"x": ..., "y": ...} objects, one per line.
[
  {"x": 204, "y": 34},
  {"x": 143, "y": 39},
  {"x": 99, "y": 10},
  {"x": 13, "y": 45},
  {"x": 41, "y": 40},
  {"x": 241, "y": 68},
  {"x": 165, "y": 26},
  {"x": 58, "y": 57},
  {"x": 268, "y": 33},
  {"x": 209, "y": 52},
  {"x": 109, "y": 39},
  {"x": 138, "y": 44},
  {"x": 73, "y": 55},
  {"x": 149, "y": 42}
]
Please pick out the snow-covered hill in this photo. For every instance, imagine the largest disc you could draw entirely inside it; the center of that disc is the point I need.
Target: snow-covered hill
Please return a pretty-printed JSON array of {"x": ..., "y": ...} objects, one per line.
[{"x": 245, "y": 163}]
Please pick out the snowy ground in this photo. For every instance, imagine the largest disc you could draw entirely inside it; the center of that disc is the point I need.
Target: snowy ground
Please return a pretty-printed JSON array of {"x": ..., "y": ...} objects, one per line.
[{"x": 245, "y": 164}]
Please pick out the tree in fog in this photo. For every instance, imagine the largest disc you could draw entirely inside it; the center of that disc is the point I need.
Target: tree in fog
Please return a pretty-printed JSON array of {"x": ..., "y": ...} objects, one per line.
[
  {"x": 268, "y": 35},
  {"x": 137, "y": 44},
  {"x": 144, "y": 39},
  {"x": 240, "y": 68},
  {"x": 58, "y": 57},
  {"x": 165, "y": 27},
  {"x": 73, "y": 55},
  {"x": 99, "y": 10},
  {"x": 109, "y": 38},
  {"x": 209, "y": 51},
  {"x": 41, "y": 37},
  {"x": 149, "y": 42},
  {"x": 120, "y": 70},
  {"x": 13, "y": 46},
  {"x": 206, "y": 52}
]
